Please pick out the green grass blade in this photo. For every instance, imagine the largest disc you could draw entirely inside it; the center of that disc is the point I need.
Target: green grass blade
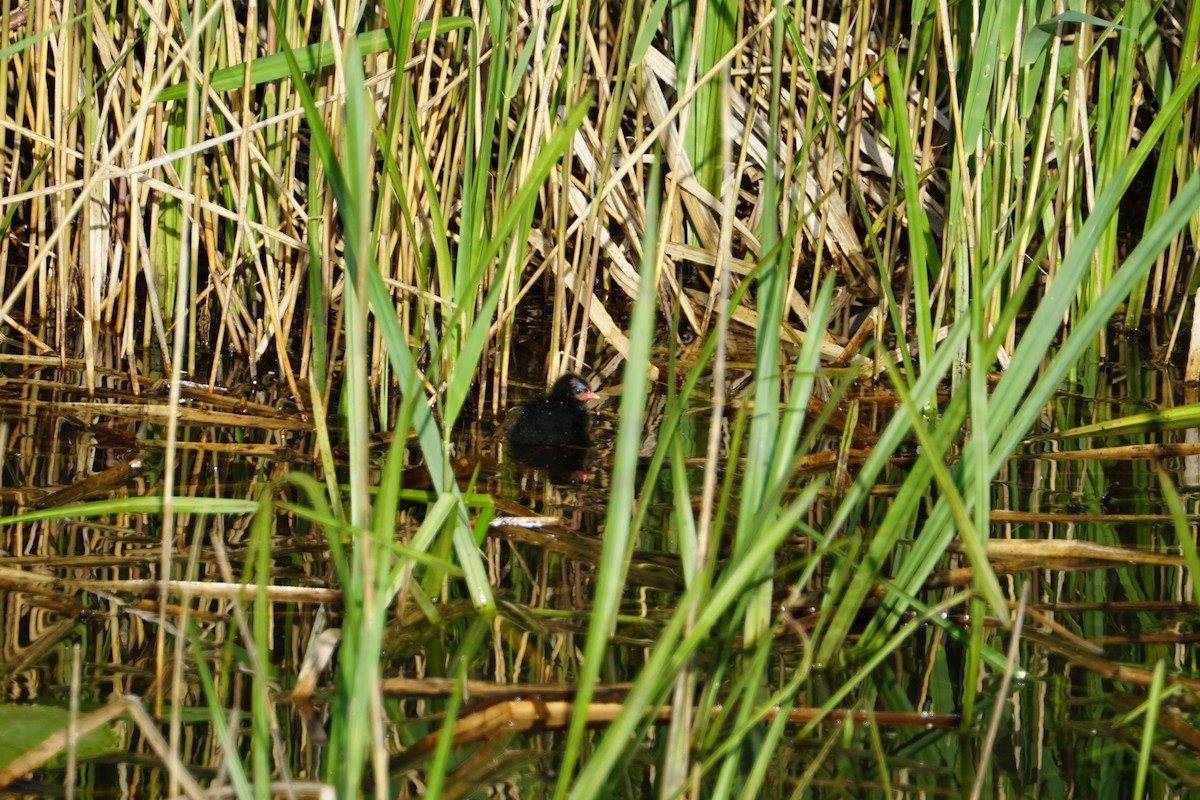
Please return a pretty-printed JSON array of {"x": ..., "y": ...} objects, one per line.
[
  {"x": 308, "y": 59},
  {"x": 618, "y": 535}
]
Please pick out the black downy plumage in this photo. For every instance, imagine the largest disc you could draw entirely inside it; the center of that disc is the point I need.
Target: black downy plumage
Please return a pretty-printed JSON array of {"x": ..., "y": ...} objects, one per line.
[{"x": 558, "y": 418}]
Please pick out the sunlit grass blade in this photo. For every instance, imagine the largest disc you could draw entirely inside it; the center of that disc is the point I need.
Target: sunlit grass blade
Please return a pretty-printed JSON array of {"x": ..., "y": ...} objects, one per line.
[
  {"x": 673, "y": 647},
  {"x": 217, "y": 715},
  {"x": 618, "y": 534},
  {"x": 501, "y": 236},
  {"x": 1182, "y": 528},
  {"x": 136, "y": 505},
  {"x": 308, "y": 59},
  {"x": 975, "y": 546},
  {"x": 1168, "y": 419},
  {"x": 923, "y": 253},
  {"x": 1153, "y": 707},
  {"x": 762, "y": 453},
  {"x": 901, "y": 514},
  {"x": 938, "y": 529}
]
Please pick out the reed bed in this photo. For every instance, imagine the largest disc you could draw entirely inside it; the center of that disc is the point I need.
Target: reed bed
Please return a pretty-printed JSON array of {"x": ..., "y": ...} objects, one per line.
[{"x": 756, "y": 217}]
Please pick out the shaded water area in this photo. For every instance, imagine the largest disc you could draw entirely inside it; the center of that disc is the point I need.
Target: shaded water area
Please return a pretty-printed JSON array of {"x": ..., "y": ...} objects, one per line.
[{"x": 1106, "y": 600}]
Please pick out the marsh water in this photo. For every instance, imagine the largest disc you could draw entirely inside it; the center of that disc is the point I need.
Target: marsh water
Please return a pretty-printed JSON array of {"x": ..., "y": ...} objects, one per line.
[{"x": 82, "y": 614}]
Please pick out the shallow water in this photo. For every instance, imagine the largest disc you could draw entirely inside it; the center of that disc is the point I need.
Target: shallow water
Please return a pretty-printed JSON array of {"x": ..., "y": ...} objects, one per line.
[{"x": 1097, "y": 629}]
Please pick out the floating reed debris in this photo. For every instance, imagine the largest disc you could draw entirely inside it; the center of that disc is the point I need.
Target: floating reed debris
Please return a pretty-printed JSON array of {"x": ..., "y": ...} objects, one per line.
[{"x": 843, "y": 261}]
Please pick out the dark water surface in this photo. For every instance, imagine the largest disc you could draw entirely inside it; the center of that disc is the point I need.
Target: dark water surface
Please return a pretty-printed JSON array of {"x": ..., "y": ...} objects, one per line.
[{"x": 74, "y": 584}]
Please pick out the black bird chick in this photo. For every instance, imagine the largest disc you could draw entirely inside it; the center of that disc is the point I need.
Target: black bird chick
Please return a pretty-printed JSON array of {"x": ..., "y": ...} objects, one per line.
[{"x": 559, "y": 418}]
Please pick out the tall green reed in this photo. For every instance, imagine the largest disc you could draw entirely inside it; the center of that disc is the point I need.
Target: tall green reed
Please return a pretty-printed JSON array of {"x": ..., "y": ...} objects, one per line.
[
  {"x": 1010, "y": 209},
  {"x": 1028, "y": 382},
  {"x": 764, "y": 449},
  {"x": 701, "y": 41},
  {"x": 731, "y": 599},
  {"x": 372, "y": 572}
]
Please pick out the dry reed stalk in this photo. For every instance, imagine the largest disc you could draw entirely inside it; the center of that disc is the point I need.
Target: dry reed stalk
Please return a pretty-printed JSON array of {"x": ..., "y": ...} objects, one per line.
[{"x": 250, "y": 200}]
